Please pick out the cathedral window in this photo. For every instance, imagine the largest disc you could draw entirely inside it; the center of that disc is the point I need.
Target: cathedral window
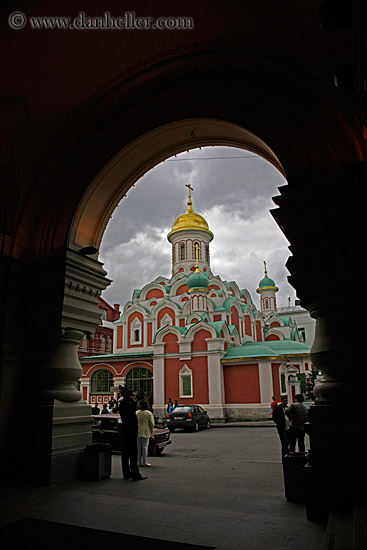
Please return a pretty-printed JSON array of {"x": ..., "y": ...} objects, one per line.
[
  {"x": 182, "y": 251},
  {"x": 186, "y": 382},
  {"x": 101, "y": 381},
  {"x": 207, "y": 253},
  {"x": 136, "y": 332},
  {"x": 266, "y": 303}
]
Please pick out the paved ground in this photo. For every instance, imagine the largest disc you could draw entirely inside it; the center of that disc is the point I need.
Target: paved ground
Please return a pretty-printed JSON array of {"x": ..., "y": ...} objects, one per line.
[{"x": 221, "y": 487}]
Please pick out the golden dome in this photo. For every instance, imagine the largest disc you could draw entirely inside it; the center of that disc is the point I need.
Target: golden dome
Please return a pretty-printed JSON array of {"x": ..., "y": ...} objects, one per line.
[{"x": 190, "y": 220}]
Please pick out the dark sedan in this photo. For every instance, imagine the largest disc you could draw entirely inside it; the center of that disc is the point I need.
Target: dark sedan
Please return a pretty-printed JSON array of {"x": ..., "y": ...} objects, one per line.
[
  {"x": 191, "y": 417},
  {"x": 106, "y": 429}
]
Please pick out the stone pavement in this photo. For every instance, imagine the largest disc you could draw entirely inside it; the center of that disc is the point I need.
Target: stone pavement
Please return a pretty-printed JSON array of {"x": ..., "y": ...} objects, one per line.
[{"x": 230, "y": 499}]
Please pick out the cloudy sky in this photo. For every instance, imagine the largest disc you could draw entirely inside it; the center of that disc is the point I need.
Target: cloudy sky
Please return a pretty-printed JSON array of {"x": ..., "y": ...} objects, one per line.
[{"x": 233, "y": 189}]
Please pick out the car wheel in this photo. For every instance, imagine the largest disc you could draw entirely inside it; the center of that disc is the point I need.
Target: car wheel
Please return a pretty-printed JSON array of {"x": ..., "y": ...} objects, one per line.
[
  {"x": 196, "y": 427},
  {"x": 171, "y": 429},
  {"x": 208, "y": 425},
  {"x": 158, "y": 451}
]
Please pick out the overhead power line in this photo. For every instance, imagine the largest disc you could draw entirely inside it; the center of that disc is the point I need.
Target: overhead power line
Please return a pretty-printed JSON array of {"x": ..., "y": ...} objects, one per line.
[{"x": 213, "y": 158}]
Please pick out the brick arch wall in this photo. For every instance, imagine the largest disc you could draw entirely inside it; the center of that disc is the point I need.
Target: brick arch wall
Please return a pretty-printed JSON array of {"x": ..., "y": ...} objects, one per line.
[
  {"x": 199, "y": 342},
  {"x": 235, "y": 318},
  {"x": 163, "y": 312},
  {"x": 171, "y": 341},
  {"x": 154, "y": 293}
]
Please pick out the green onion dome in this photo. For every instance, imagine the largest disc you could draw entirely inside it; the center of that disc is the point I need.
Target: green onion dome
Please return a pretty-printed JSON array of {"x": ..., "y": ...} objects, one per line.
[
  {"x": 197, "y": 281},
  {"x": 266, "y": 282}
]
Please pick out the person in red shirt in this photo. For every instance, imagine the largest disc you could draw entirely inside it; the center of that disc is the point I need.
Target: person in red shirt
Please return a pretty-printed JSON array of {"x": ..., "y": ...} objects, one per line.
[{"x": 274, "y": 403}]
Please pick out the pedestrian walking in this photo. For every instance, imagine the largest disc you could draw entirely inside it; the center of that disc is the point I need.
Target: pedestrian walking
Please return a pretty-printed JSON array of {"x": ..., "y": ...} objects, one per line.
[
  {"x": 145, "y": 429},
  {"x": 282, "y": 424},
  {"x": 129, "y": 437},
  {"x": 297, "y": 414}
]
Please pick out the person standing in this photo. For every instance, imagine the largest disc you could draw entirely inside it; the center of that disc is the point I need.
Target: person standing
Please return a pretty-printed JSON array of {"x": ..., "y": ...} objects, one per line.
[
  {"x": 297, "y": 414},
  {"x": 273, "y": 403},
  {"x": 145, "y": 428},
  {"x": 95, "y": 409},
  {"x": 129, "y": 437},
  {"x": 169, "y": 405},
  {"x": 282, "y": 424},
  {"x": 140, "y": 396},
  {"x": 104, "y": 409}
]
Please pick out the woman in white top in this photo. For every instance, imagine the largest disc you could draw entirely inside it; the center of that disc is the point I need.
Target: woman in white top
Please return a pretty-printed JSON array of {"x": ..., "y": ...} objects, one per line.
[{"x": 145, "y": 428}]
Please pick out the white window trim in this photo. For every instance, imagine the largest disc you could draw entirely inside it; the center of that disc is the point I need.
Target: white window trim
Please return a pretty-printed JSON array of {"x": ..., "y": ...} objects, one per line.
[
  {"x": 166, "y": 320},
  {"x": 135, "y": 325},
  {"x": 186, "y": 372}
]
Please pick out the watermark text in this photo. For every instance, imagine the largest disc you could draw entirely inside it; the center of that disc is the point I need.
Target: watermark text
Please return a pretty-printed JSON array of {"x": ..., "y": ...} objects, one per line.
[{"x": 128, "y": 21}]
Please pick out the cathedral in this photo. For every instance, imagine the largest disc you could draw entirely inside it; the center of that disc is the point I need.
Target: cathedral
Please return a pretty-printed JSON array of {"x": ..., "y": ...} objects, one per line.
[{"x": 201, "y": 340}]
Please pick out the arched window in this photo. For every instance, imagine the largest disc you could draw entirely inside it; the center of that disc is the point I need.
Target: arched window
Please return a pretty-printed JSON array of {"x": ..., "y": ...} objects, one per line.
[
  {"x": 186, "y": 389},
  {"x": 101, "y": 381},
  {"x": 140, "y": 377},
  {"x": 136, "y": 332},
  {"x": 207, "y": 253},
  {"x": 266, "y": 303},
  {"x": 182, "y": 251}
]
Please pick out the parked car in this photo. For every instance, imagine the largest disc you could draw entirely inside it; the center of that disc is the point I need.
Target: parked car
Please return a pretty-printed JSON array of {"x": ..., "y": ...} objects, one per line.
[
  {"x": 106, "y": 429},
  {"x": 187, "y": 417}
]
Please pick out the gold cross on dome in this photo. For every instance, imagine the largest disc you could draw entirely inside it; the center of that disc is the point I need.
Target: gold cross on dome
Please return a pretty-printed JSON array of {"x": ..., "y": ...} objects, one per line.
[
  {"x": 196, "y": 246},
  {"x": 190, "y": 189}
]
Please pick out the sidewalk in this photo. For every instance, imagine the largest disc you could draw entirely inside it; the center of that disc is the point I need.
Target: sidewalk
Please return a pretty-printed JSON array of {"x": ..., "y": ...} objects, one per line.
[{"x": 227, "y": 501}]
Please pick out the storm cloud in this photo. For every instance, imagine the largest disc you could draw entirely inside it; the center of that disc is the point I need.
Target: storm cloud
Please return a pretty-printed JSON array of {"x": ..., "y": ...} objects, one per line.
[{"x": 233, "y": 190}]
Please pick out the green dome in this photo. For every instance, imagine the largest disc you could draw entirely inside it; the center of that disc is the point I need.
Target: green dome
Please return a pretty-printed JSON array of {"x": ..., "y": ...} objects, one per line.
[
  {"x": 197, "y": 281},
  {"x": 266, "y": 281}
]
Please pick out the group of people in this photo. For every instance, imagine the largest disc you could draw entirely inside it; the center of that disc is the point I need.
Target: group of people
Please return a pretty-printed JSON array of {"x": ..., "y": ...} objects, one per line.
[
  {"x": 137, "y": 423},
  {"x": 107, "y": 408},
  {"x": 171, "y": 406},
  {"x": 290, "y": 423}
]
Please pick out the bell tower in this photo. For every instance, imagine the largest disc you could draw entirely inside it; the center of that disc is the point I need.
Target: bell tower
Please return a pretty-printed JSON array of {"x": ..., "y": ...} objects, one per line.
[
  {"x": 190, "y": 237},
  {"x": 267, "y": 290}
]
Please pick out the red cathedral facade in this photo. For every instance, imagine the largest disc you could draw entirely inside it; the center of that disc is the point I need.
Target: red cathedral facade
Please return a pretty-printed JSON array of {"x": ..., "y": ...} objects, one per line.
[{"x": 198, "y": 339}]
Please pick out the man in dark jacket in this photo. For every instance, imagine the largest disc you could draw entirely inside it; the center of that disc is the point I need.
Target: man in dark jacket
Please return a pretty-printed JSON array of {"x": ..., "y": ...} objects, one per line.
[
  {"x": 281, "y": 422},
  {"x": 297, "y": 414},
  {"x": 129, "y": 437}
]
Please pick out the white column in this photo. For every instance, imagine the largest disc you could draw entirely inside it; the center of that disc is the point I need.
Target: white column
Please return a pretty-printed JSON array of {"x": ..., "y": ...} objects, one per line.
[
  {"x": 215, "y": 378},
  {"x": 158, "y": 381},
  {"x": 266, "y": 382}
]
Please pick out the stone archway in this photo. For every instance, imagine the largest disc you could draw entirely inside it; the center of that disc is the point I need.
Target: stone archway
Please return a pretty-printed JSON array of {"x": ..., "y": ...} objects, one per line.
[{"x": 132, "y": 162}]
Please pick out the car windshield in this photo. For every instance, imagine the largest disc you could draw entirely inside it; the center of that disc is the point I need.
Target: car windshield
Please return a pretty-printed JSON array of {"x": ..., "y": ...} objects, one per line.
[{"x": 182, "y": 409}]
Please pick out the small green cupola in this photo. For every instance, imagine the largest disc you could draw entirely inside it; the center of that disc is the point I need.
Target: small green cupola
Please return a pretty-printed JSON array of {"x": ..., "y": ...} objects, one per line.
[
  {"x": 267, "y": 290},
  {"x": 198, "y": 281},
  {"x": 266, "y": 282}
]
